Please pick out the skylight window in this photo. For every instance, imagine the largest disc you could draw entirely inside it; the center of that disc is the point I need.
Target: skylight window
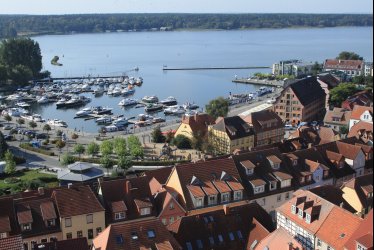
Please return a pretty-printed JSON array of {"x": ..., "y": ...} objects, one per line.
[
  {"x": 220, "y": 238},
  {"x": 189, "y": 245},
  {"x": 151, "y": 234},
  {"x": 119, "y": 239},
  {"x": 231, "y": 236},
  {"x": 199, "y": 244},
  {"x": 240, "y": 236},
  {"x": 134, "y": 236}
]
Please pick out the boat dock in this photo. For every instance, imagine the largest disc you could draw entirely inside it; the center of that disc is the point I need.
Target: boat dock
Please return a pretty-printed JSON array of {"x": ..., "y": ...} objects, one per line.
[
  {"x": 272, "y": 83},
  {"x": 213, "y": 68}
]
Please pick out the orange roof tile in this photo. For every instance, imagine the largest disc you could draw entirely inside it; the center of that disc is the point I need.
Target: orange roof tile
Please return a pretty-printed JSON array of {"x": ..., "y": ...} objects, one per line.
[
  {"x": 359, "y": 110},
  {"x": 279, "y": 239},
  {"x": 48, "y": 210},
  {"x": 338, "y": 227},
  {"x": 365, "y": 229}
]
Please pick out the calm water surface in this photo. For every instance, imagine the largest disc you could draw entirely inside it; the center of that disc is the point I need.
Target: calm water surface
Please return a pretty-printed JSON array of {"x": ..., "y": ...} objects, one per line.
[{"x": 118, "y": 53}]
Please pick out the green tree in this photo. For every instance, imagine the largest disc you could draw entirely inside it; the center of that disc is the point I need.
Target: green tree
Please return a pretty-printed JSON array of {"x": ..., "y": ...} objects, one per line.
[
  {"x": 106, "y": 162},
  {"x": 341, "y": 93},
  {"x": 346, "y": 55},
  {"x": 3, "y": 73},
  {"x": 20, "y": 121},
  {"x": 119, "y": 146},
  {"x": 217, "y": 107},
  {"x": 197, "y": 141},
  {"x": 8, "y": 118},
  {"x": 79, "y": 149},
  {"x": 10, "y": 163},
  {"x": 3, "y": 146},
  {"x": 157, "y": 136},
  {"x": 67, "y": 159},
  {"x": 135, "y": 147},
  {"x": 60, "y": 144},
  {"x": 93, "y": 149},
  {"x": 169, "y": 136},
  {"x": 21, "y": 51},
  {"x": 106, "y": 148},
  {"x": 344, "y": 130},
  {"x": 316, "y": 68},
  {"x": 33, "y": 124},
  {"x": 182, "y": 142},
  {"x": 124, "y": 162},
  {"x": 47, "y": 128},
  {"x": 20, "y": 74}
]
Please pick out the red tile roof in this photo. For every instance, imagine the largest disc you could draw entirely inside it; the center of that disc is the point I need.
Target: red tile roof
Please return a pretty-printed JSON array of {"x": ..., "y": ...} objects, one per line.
[
  {"x": 11, "y": 243},
  {"x": 359, "y": 110},
  {"x": 24, "y": 215},
  {"x": 359, "y": 128},
  {"x": 198, "y": 122},
  {"x": 279, "y": 239},
  {"x": 206, "y": 172},
  {"x": 48, "y": 210},
  {"x": 343, "y": 64},
  {"x": 76, "y": 200},
  {"x": 135, "y": 235},
  {"x": 118, "y": 206},
  {"x": 338, "y": 227},
  {"x": 365, "y": 229}
]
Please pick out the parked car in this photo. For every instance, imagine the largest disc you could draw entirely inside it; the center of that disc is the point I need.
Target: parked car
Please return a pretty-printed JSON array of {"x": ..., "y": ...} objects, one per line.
[
  {"x": 7, "y": 127},
  {"x": 8, "y": 137}
]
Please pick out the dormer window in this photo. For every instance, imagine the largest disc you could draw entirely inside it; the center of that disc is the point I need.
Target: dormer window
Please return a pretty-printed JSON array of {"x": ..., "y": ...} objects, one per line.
[
  {"x": 51, "y": 223},
  {"x": 212, "y": 200},
  {"x": 341, "y": 164},
  {"x": 308, "y": 218},
  {"x": 309, "y": 178},
  {"x": 26, "y": 227},
  {"x": 119, "y": 216},
  {"x": 325, "y": 173},
  {"x": 276, "y": 166},
  {"x": 249, "y": 171},
  {"x": 273, "y": 186},
  {"x": 225, "y": 197},
  {"x": 145, "y": 211},
  {"x": 238, "y": 195},
  {"x": 199, "y": 202},
  {"x": 294, "y": 163},
  {"x": 301, "y": 213},
  {"x": 293, "y": 209},
  {"x": 259, "y": 189}
]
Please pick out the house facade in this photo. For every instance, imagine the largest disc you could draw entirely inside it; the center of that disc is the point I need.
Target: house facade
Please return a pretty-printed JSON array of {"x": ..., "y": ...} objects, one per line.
[
  {"x": 350, "y": 67},
  {"x": 361, "y": 113},
  {"x": 301, "y": 101},
  {"x": 337, "y": 118},
  {"x": 230, "y": 134},
  {"x": 194, "y": 125}
]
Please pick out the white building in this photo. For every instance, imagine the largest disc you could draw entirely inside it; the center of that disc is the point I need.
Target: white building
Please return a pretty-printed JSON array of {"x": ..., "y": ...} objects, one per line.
[{"x": 361, "y": 113}]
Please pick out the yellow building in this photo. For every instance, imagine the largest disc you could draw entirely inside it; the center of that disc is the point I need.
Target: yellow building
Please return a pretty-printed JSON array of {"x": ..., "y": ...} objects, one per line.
[
  {"x": 230, "y": 134},
  {"x": 81, "y": 214},
  {"x": 197, "y": 124}
]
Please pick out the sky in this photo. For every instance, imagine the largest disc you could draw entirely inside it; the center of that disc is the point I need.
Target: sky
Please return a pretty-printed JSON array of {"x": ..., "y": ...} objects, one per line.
[{"x": 44, "y": 7}]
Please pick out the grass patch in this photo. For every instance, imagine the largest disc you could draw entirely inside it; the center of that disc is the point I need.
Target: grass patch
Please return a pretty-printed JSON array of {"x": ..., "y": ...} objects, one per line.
[{"x": 25, "y": 177}]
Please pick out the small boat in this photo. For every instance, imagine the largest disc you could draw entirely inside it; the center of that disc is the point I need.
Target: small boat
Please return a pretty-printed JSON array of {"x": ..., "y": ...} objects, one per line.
[
  {"x": 153, "y": 107},
  {"x": 116, "y": 92},
  {"x": 150, "y": 99},
  {"x": 170, "y": 101},
  {"x": 158, "y": 120},
  {"x": 34, "y": 117},
  {"x": 84, "y": 112},
  {"x": 128, "y": 91},
  {"x": 106, "y": 119},
  {"x": 57, "y": 123},
  {"x": 22, "y": 105},
  {"x": 128, "y": 102},
  {"x": 101, "y": 110},
  {"x": 17, "y": 112},
  {"x": 99, "y": 91},
  {"x": 42, "y": 100},
  {"x": 174, "y": 110},
  {"x": 190, "y": 106},
  {"x": 122, "y": 121}
]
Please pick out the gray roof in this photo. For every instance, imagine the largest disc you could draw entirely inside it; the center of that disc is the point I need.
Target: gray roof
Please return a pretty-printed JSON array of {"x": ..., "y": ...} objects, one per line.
[
  {"x": 80, "y": 166},
  {"x": 89, "y": 174}
]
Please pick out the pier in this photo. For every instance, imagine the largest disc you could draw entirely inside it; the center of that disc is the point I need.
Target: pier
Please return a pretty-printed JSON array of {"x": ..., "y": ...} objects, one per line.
[
  {"x": 272, "y": 83},
  {"x": 165, "y": 68}
]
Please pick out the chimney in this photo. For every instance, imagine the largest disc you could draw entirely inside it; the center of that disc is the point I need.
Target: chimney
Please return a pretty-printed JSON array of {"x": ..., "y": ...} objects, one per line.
[
  {"x": 128, "y": 187},
  {"x": 40, "y": 190},
  {"x": 226, "y": 209},
  {"x": 70, "y": 185},
  {"x": 290, "y": 246}
]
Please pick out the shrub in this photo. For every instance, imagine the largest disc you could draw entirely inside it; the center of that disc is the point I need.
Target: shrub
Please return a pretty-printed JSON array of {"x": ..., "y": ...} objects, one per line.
[{"x": 37, "y": 150}]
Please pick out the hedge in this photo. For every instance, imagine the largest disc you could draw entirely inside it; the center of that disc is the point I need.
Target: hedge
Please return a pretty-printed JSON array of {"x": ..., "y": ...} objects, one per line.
[
  {"x": 37, "y": 150},
  {"x": 137, "y": 163}
]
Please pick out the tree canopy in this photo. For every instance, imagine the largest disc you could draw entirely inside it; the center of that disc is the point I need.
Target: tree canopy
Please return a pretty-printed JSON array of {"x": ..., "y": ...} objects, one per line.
[
  {"x": 341, "y": 93},
  {"x": 346, "y": 55},
  {"x": 217, "y": 107}
]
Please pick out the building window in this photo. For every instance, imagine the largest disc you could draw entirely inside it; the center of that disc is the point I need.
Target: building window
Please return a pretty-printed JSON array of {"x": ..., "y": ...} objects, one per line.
[
  {"x": 98, "y": 230},
  {"x": 199, "y": 244},
  {"x": 32, "y": 244},
  {"x": 69, "y": 236},
  {"x": 212, "y": 200},
  {"x": 249, "y": 171},
  {"x": 225, "y": 197},
  {"x": 259, "y": 189},
  {"x": 189, "y": 245},
  {"x": 145, "y": 211},
  {"x": 319, "y": 243},
  {"x": 211, "y": 241},
  {"x": 89, "y": 218},
  {"x": 164, "y": 221},
  {"x": 53, "y": 239},
  {"x": 287, "y": 195},
  {"x": 25, "y": 246},
  {"x": 308, "y": 218},
  {"x": 119, "y": 216},
  {"x": 43, "y": 240},
  {"x": 279, "y": 197},
  {"x": 171, "y": 220},
  {"x": 79, "y": 234},
  {"x": 51, "y": 223},
  {"x": 26, "y": 227},
  {"x": 171, "y": 206},
  {"x": 273, "y": 185},
  {"x": 199, "y": 202},
  {"x": 68, "y": 222},
  {"x": 294, "y": 163},
  {"x": 3, "y": 235},
  {"x": 151, "y": 234},
  {"x": 238, "y": 195},
  {"x": 90, "y": 234},
  {"x": 301, "y": 213}
]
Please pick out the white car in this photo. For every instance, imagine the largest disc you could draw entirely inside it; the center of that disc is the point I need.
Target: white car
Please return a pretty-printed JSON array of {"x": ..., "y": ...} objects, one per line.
[{"x": 271, "y": 101}]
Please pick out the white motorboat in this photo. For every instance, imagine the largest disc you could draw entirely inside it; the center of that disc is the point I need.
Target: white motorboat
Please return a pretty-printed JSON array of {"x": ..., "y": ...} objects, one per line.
[
  {"x": 34, "y": 117},
  {"x": 174, "y": 110},
  {"x": 106, "y": 119},
  {"x": 84, "y": 112},
  {"x": 128, "y": 91},
  {"x": 17, "y": 112},
  {"x": 190, "y": 106},
  {"x": 22, "y": 105},
  {"x": 57, "y": 123},
  {"x": 101, "y": 110},
  {"x": 99, "y": 91},
  {"x": 169, "y": 101},
  {"x": 150, "y": 99},
  {"x": 128, "y": 102},
  {"x": 122, "y": 121},
  {"x": 42, "y": 100}
]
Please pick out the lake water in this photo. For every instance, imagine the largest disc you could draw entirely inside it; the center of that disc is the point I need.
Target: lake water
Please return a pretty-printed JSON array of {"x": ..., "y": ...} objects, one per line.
[{"x": 118, "y": 53}]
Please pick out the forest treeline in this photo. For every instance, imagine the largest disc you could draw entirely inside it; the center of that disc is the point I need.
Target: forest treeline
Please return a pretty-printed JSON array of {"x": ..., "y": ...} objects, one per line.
[{"x": 16, "y": 25}]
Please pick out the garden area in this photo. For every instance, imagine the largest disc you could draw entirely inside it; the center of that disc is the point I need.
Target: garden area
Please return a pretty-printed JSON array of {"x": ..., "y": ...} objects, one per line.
[{"x": 26, "y": 179}]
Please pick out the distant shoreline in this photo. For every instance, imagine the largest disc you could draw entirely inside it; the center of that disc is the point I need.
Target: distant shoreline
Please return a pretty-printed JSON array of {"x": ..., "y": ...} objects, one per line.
[{"x": 182, "y": 30}]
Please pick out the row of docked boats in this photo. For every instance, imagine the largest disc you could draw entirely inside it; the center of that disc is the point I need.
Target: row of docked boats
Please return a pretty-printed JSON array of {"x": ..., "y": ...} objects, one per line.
[{"x": 98, "y": 110}]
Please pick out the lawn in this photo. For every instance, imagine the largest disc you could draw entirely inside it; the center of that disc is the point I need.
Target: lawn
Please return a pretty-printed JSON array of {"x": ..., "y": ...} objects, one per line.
[{"x": 28, "y": 176}]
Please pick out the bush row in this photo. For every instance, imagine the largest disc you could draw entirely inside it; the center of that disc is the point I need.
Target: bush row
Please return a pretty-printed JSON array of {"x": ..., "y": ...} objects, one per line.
[{"x": 37, "y": 150}]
